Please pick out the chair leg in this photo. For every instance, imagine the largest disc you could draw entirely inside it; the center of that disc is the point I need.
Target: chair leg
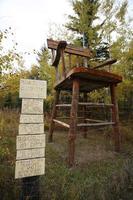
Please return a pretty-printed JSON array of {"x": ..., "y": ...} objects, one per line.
[
  {"x": 84, "y": 113},
  {"x": 73, "y": 122},
  {"x": 115, "y": 118},
  {"x": 54, "y": 111}
]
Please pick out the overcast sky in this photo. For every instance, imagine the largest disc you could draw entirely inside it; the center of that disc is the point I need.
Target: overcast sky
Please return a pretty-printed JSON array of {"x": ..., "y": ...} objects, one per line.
[{"x": 30, "y": 20}]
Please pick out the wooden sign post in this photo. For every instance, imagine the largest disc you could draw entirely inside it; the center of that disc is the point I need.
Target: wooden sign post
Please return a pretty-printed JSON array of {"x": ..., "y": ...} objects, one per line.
[{"x": 30, "y": 143}]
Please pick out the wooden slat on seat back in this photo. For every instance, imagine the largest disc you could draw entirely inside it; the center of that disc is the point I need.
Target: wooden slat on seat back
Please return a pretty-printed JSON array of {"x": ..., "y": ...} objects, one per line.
[{"x": 70, "y": 49}]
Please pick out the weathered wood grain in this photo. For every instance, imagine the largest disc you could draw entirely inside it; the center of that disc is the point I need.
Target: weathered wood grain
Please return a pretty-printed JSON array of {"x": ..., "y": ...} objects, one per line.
[
  {"x": 32, "y": 88},
  {"x": 71, "y": 49},
  {"x": 32, "y": 167},
  {"x": 30, "y": 141},
  {"x": 90, "y": 79},
  {"x": 25, "y": 129},
  {"x": 61, "y": 123}
]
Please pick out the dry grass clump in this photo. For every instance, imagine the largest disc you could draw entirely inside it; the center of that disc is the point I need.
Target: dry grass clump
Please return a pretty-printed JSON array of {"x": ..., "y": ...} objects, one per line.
[{"x": 99, "y": 173}]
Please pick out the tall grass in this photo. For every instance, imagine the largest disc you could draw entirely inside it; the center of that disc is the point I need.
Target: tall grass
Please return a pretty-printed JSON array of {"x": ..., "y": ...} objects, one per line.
[{"x": 99, "y": 173}]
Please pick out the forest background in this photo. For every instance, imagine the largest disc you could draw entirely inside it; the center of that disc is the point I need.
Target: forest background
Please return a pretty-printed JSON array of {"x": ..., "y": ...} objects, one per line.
[
  {"x": 104, "y": 23},
  {"x": 100, "y": 173}
]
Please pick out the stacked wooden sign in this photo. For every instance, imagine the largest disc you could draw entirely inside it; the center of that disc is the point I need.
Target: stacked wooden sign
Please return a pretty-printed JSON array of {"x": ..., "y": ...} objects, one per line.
[{"x": 30, "y": 144}]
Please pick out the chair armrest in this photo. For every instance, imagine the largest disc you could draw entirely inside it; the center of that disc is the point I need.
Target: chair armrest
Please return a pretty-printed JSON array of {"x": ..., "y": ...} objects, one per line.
[{"x": 108, "y": 62}]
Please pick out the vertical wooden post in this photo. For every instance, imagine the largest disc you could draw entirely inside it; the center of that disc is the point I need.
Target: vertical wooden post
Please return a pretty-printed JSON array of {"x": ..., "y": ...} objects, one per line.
[
  {"x": 77, "y": 61},
  {"x": 57, "y": 74},
  {"x": 70, "y": 61},
  {"x": 51, "y": 128},
  {"x": 53, "y": 55},
  {"x": 63, "y": 64},
  {"x": 84, "y": 113},
  {"x": 73, "y": 122},
  {"x": 115, "y": 118}
]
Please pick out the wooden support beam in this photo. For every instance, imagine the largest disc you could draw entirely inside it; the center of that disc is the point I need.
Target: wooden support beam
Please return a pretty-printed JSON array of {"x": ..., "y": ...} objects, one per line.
[
  {"x": 94, "y": 104},
  {"x": 69, "y": 117},
  {"x": 84, "y": 113},
  {"x": 94, "y": 120},
  {"x": 63, "y": 64},
  {"x": 61, "y": 123},
  {"x": 77, "y": 61},
  {"x": 95, "y": 124},
  {"x": 86, "y": 104},
  {"x": 57, "y": 74},
  {"x": 115, "y": 118},
  {"x": 63, "y": 105},
  {"x": 70, "y": 60},
  {"x": 53, "y": 55},
  {"x": 54, "y": 111},
  {"x": 73, "y": 122}
]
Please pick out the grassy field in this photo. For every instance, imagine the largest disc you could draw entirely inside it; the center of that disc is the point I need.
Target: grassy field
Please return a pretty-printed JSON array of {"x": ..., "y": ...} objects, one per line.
[{"x": 99, "y": 173}]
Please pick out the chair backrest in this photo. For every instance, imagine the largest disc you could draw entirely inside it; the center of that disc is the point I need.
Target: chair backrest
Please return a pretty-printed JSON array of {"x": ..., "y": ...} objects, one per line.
[{"x": 60, "y": 48}]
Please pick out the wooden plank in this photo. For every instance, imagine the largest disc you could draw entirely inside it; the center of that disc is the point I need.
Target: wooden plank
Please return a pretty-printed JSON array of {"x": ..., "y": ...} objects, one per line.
[
  {"x": 90, "y": 79},
  {"x": 30, "y": 153},
  {"x": 115, "y": 118},
  {"x": 85, "y": 99},
  {"x": 63, "y": 64},
  {"x": 63, "y": 105},
  {"x": 85, "y": 104},
  {"x": 94, "y": 104},
  {"x": 30, "y": 141},
  {"x": 27, "y": 168},
  {"x": 32, "y": 88},
  {"x": 107, "y": 62},
  {"x": 96, "y": 75},
  {"x": 95, "y": 124},
  {"x": 28, "y": 119},
  {"x": 73, "y": 122},
  {"x": 25, "y": 129},
  {"x": 61, "y": 123},
  {"x": 54, "y": 113},
  {"x": 94, "y": 120},
  {"x": 70, "y": 49},
  {"x": 32, "y": 106},
  {"x": 68, "y": 117}
]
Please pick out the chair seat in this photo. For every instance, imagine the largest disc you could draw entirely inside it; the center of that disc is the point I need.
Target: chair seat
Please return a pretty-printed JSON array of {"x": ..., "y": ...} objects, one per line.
[{"x": 90, "y": 79}]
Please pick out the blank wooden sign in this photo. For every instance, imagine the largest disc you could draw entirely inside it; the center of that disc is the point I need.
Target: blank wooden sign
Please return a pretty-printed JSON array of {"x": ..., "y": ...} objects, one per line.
[
  {"x": 32, "y": 89},
  {"x": 32, "y": 167}
]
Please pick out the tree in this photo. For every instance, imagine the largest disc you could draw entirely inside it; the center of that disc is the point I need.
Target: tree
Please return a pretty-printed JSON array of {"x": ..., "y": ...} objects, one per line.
[
  {"x": 106, "y": 21},
  {"x": 100, "y": 20},
  {"x": 46, "y": 72},
  {"x": 83, "y": 20},
  {"x": 8, "y": 56}
]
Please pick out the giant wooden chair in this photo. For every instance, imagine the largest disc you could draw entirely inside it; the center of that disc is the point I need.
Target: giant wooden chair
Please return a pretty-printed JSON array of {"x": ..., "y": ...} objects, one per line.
[{"x": 78, "y": 80}]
